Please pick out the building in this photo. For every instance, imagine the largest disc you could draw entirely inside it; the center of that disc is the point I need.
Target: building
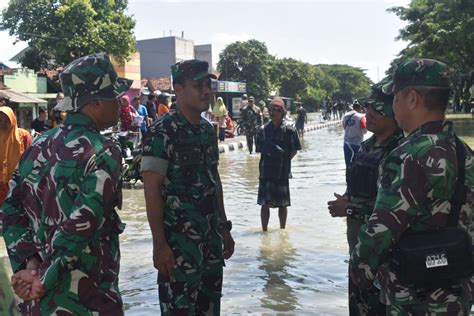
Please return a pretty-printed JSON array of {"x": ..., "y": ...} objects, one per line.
[
  {"x": 130, "y": 70},
  {"x": 25, "y": 93},
  {"x": 158, "y": 54}
]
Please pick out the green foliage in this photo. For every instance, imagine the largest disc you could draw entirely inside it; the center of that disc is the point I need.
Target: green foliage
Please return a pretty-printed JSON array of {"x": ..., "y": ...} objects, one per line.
[
  {"x": 352, "y": 82},
  {"x": 442, "y": 30},
  {"x": 312, "y": 84},
  {"x": 250, "y": 62},
  {"x": 59, "y": 31}
]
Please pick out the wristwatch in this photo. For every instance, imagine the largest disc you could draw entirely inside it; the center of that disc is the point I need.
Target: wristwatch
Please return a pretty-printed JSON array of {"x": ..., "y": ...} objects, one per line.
[{"x": 227, "y": 225}]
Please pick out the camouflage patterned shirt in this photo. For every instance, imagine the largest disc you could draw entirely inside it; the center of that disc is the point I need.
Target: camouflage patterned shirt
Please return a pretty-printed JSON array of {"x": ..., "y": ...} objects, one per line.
[
  {"x": 416, "y": 185},
  {"x": 188, "y": 156},
  {"x": 251, "y": 119},
  {"x": 61, "y": 206},
  {"x": 362, "y": 203}
]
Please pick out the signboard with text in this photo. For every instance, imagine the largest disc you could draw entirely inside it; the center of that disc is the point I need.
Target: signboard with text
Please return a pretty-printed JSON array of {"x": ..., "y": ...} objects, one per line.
[{"x": 229, "y": 86}]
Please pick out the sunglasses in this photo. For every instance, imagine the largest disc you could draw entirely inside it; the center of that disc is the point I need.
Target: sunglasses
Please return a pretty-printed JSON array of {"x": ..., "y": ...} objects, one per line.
[{"x": 277, "y": 109}]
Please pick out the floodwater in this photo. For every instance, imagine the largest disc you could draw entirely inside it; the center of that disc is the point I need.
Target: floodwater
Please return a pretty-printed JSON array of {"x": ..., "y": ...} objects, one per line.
[{"x": 299, "y": 271}]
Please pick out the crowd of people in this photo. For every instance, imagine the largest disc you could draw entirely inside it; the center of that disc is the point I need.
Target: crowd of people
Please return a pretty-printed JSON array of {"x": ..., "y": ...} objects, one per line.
[{"x": 61, "y": 226}]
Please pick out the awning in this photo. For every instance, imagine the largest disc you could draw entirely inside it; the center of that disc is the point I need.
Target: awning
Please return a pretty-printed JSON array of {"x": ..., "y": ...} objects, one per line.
[{"x": 18, "y": 97}]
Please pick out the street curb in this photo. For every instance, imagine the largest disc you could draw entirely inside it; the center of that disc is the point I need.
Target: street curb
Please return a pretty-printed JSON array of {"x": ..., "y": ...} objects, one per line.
[
  {"x": 232, "y": 146},
  {"x": 225, "y": 148}
]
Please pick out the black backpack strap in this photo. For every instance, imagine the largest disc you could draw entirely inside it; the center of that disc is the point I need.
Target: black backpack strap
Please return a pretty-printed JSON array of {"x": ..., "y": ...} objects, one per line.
[{"x": 460, "y": 193}]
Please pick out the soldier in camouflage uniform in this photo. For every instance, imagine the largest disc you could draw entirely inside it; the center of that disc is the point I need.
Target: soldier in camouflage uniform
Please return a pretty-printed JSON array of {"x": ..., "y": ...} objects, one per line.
[
  {"x": 59, "y": 216},
  {"x": 358, "y": 202},
  {"x": 251, "y": 121},
  {"x": 416, "y": 185},
  {"x": 184, "y": 200}
]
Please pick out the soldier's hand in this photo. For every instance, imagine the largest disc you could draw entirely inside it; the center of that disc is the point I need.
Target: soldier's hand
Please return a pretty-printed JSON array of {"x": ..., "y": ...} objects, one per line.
[
  {"x": 163, "y": 259},
  {"x": 27, "y": 285},
  {"x": 337, "y": 207},
  {"x": 228, "y": 244}
]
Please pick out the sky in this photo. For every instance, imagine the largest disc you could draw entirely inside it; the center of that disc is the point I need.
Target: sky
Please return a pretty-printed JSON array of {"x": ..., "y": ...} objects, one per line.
[{"x": 357, "y": 33}]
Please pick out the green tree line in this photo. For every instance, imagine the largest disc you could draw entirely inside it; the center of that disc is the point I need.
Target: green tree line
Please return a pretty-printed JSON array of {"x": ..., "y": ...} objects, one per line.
[
  {"x": 442, "y": 30},
  {"x": 312, "y": 84}
]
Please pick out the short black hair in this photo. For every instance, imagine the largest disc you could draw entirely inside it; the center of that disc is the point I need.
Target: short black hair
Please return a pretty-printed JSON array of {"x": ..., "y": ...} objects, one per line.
[
  {"x": 151, "y": 96},
  {"x": 436, "y": 98},
  {"x": 41, "y": 110}
]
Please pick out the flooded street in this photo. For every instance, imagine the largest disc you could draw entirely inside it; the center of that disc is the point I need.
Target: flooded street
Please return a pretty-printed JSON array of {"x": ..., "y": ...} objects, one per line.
[
  {"x": 302, "y": 270},
  {"x": 298, "y": 271}
]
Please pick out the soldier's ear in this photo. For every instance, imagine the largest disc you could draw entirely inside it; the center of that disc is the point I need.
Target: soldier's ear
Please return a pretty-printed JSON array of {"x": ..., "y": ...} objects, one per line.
[{"x": 413, "y": 99}]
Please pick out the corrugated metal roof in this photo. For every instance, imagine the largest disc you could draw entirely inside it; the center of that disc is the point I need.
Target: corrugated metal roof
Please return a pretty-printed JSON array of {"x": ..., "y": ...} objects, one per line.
[{"x": 18, "y": 97}]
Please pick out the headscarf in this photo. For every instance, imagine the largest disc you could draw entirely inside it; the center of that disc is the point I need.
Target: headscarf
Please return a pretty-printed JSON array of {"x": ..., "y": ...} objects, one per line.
[
  {"x": 219, "y": 109},
  {"x": 11, "y": 148}
]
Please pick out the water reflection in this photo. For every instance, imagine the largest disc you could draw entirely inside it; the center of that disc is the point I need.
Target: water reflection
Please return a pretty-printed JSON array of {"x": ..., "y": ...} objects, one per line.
[{"x": 276, "y": 257}]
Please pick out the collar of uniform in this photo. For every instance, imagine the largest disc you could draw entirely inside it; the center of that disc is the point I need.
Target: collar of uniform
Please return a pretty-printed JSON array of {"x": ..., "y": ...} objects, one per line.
[
  {"x": 434, "y": 127},
  {"x": 185, "y": 121},
  {"x": 77, "y": 118},
  {"x": 392, "y": 138}
]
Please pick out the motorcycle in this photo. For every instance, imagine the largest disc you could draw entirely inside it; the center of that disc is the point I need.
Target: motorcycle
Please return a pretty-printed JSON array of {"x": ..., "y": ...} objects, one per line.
[{"x": 130, "y": 147}]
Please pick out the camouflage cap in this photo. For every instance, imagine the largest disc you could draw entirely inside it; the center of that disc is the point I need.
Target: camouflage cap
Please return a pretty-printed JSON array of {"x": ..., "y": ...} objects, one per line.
[
  {"x": 90, "y": 78},
  {"x": 378, "y": 100},
  {"x": 420, "y": 72},
  {"x": 191, "y": 69}
]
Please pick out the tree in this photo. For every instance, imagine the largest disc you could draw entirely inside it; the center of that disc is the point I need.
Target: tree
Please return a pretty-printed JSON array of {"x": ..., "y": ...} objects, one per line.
[
  {"x": 352, "y": 82},
  {"x": 442, "y": 30},
  {"x": 59, "y": 31},
  {"x": 250, "y": 62}
]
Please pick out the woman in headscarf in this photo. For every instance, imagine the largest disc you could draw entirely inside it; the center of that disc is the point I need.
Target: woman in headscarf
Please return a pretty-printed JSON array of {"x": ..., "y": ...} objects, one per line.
[
  {"x": 219, "y": 111},
  {"x": 127, "y": 115},
  {"x": 14, "y": 141}
]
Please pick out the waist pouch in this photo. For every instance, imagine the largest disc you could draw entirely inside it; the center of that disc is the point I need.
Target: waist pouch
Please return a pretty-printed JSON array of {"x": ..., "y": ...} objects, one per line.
[
  {"x": 271, "y": 149},
  {"x": 433, "y": 258}
]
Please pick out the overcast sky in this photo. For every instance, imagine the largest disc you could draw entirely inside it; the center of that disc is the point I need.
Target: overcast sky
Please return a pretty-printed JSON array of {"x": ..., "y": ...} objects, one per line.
[{"x": 357, "y": 33}]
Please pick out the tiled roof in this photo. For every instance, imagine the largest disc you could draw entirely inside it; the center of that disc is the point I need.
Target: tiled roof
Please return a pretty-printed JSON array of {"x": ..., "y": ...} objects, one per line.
[{"x": 162, "y": 84}]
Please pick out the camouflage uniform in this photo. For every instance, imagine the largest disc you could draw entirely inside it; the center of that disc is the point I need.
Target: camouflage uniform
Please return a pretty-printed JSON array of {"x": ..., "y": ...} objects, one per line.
[
  {"x": 62, "y": 199},
  {"x": 361, "y": 181},
  {"x": 251, "y": 121},
  {"x": 188, "y": 156},
  {"x": 415, "y": 189}
]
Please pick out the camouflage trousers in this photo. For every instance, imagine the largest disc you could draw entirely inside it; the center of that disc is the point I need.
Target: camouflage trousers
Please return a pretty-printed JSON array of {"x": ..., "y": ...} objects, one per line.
[
  {"x": 353, "y": 228},
  {"x": 251, "y": 137},
  {"x": 195, "y": 286},
  {"x": 458, "y": 308},
  {"x": 364, "y": 302}
]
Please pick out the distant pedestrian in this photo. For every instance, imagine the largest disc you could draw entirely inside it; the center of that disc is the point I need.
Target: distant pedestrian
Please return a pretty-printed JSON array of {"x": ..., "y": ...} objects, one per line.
[
  {"x": 142, "y": 112},
  {"x": 40, "y": 124},
  {"x": 151, "y": 107},
  {"x": 251, "y": 122},
  {"x": 264, "y": 111},
  {"x": 220, "y": 111},
  {"x": 244, "y": 102},
  {"x": 127, "y": 115},
  {"x": 301, "y": 119},
  {"x": 14, "y": 141},
  {"x": 173, "y": 103},
  {"x": 163, "y": 104},
  {"x": 354, "y": 125},
  {"x": 278, "y": 144}
]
